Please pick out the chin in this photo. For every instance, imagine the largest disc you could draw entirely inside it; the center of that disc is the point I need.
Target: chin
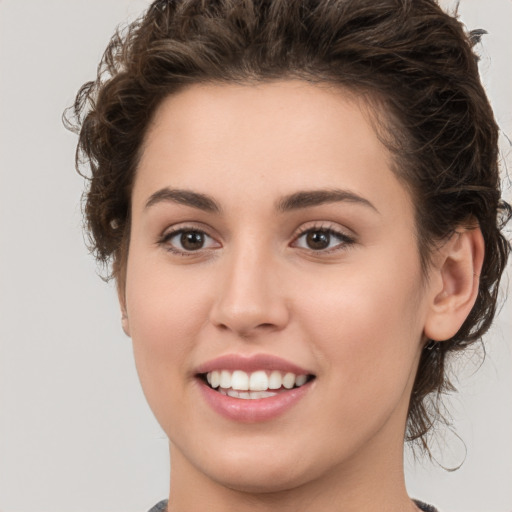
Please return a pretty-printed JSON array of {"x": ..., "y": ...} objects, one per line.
[
  {"x": 266, "y": 471},
  {"x": 262, "y": 479}
]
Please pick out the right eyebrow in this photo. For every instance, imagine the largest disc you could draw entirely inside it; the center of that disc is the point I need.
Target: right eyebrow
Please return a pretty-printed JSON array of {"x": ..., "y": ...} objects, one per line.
[{"x": 184, "y": 197}]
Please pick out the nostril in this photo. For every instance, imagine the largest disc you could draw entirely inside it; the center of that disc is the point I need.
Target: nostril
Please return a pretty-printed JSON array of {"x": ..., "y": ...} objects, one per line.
[{"x": 248, "y": 308}]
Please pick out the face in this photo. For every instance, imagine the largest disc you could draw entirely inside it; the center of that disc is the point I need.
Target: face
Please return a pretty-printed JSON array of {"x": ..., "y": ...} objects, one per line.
[{"x": 273, "y": 255}]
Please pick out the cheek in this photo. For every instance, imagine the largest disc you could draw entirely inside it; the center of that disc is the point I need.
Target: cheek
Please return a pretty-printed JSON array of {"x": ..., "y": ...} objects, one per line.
[
  {"x": 366, "y": 324},
  {"x": 165, "y": 312},
  {"x": 162, "y": 306}
]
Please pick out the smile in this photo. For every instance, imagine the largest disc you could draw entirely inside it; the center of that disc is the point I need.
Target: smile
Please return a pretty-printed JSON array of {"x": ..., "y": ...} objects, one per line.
[
  {"x": 251, "y": 389},
  {"x": 254, "y": 385}
]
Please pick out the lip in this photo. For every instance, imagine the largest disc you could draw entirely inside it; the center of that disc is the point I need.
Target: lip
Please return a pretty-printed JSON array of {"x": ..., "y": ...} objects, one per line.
[
  {"x": 251, "y": 364},
  {"x": 257, "y": 410},
  {"x": 252, "y": 411}
]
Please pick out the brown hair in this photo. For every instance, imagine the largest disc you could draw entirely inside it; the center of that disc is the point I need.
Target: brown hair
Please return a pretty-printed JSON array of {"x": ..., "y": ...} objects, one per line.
[{"x": 408, "y": 57}]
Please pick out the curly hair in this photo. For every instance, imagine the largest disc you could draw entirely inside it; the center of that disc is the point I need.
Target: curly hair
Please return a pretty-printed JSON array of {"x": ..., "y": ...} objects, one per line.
[{"x": 408, "y": 58}]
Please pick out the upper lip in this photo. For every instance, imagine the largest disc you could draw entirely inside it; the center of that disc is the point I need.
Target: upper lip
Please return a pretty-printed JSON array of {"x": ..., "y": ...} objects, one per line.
[{"x": 250, "y": 364}]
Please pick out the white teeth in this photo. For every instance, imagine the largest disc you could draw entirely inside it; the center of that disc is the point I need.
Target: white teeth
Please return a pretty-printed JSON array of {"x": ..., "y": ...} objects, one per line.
[
  {"x": 289, "y": 380},
  {"x": 262, "y": 394},
  {"x": 240, "y": 384},
  {"x": 258, "y": 381},
  {"x": 225, "y": 379},
  {"x": 240, "y": 380},
  {"x": 275, "y": 381},
  {"x": 300, "y": 380},
  {"x": 247, "y": 395},
  {"x": 215, "y": 378}
]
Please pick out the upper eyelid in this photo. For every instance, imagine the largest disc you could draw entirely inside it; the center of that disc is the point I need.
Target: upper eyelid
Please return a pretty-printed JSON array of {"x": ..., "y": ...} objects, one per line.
[
  {"x": 187, "y": 226},
  {"x": 326, "y": 226}
]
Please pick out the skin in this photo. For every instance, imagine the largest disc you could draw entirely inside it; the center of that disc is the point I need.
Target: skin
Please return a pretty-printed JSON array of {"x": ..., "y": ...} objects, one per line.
[{"x": 356, "y": 315}]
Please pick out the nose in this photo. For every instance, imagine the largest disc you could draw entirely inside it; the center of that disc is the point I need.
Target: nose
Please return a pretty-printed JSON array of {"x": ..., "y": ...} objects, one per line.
[{"x": 250, "y": 296}]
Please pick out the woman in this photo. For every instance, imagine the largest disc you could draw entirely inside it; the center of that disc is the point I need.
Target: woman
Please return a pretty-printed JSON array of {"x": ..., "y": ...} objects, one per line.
[{"x": 300, "y": 201}]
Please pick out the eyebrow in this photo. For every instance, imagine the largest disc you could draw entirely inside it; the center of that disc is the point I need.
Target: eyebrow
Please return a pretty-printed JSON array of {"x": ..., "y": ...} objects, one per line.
[
  {"x": 184, "y": 197},
  {"x": 309, "y": 198},
  {"x": 292, "y": 202}
]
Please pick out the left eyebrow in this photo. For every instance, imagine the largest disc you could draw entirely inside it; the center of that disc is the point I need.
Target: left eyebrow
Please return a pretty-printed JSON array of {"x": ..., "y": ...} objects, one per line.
[{"x": 309, "y": 198}]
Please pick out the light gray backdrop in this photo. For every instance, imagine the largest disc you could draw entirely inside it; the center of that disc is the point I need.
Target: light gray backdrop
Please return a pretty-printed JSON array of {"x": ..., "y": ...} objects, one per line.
[{"x": 75, "y": 432}]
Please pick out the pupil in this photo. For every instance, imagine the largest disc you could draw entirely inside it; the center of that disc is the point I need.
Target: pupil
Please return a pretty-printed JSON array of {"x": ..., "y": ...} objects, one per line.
[
  {"x": 318, "y": 239},
  {"x": 192, "y": 240}
]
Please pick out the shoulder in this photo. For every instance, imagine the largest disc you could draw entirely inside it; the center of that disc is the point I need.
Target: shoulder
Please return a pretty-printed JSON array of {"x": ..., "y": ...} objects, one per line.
[
  {"x": 424, "y": 507},
  {"x": 159, "y": 507},
  {"x": 162, "y": 506}
]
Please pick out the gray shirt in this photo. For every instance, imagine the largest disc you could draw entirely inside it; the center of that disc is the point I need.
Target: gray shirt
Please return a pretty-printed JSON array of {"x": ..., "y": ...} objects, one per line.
[{"x": 162, "y": 507}]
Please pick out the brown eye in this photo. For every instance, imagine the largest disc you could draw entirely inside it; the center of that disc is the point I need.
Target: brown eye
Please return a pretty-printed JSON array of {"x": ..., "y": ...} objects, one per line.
[
  {"x": 192, "y": 240},
  {"x": 187, "y": 241},
  {"x": 323, "y": 240},
  {"x": 318, "y": 240}
]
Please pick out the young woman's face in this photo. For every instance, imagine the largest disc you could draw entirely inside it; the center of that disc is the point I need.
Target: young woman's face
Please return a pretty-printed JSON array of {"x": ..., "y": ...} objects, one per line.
[{"x": 273, "y": 247}]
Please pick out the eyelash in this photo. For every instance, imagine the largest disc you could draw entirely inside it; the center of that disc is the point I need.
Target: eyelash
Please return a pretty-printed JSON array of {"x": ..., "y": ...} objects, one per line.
[
  {"x": 345, "y": 241},
  {"x": 168, "y": 236}
]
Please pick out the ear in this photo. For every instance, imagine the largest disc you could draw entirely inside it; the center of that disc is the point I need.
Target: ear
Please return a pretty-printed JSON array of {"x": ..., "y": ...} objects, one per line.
[
  {"x": 454, "y": 280},
  {"x": 125, "y": 322}
]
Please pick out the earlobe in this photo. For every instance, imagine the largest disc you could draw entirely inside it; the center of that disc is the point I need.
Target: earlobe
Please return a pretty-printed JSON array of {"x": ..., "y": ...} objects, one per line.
[
  {"x": 455, "y": 282},
  {"x": 125, "y": 322}
]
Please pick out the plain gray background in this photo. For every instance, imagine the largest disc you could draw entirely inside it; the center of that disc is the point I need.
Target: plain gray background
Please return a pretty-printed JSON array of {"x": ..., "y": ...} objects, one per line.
[{"x": 75, "y": 432}]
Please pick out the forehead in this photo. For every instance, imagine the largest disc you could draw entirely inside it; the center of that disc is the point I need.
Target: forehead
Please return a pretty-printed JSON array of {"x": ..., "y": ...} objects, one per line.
[{"x": 266, "y": 139}]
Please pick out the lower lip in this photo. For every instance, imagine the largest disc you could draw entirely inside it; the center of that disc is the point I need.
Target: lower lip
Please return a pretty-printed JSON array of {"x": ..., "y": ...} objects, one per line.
[{"x": 253, "y": 411}]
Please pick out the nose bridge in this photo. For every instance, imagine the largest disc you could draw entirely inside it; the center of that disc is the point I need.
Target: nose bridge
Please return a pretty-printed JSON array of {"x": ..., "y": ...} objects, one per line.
[{"x": 250, "y": 296}]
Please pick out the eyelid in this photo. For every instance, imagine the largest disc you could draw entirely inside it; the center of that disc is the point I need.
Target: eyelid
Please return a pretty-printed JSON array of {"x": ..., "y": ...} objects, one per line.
[
  {"x": 172, "y": 231},
  {"x": 325, "y": 226},
  {"x": 346, "y": 240}
]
